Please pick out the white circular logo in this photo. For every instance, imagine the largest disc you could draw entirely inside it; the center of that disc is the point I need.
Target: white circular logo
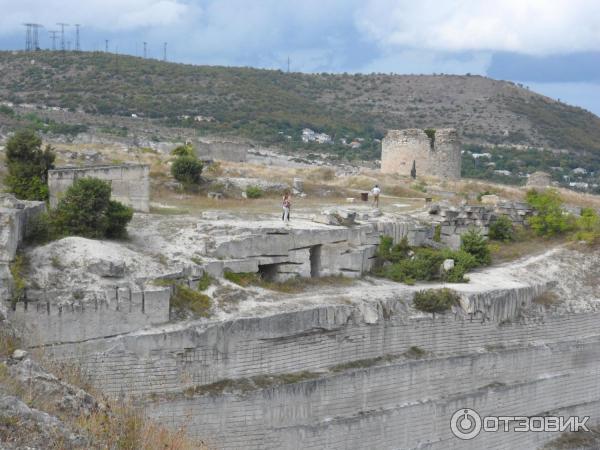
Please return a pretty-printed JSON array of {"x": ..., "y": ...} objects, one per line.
[{"x": 465, "y": 424}]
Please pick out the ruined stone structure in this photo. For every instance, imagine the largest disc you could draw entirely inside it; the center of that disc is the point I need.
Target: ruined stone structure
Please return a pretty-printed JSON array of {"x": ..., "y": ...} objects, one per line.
[
  {"x": 539, "y": 180},
  {"x": 437, "y": 154},
  {"x": 456, "y": 221},
  {"x": 223, "y": 151},
  {"x": 130, "y": 183}
]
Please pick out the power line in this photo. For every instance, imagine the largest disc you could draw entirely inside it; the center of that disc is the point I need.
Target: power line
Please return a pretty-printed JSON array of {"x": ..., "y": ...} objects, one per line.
[
  {"x": 62, "y": 34},
  {"x": 145, "y": 49},
  {"x": 77, "y": 46},
  {"x": 28, "y": 37},
  {"x": 35, "y": 38},
  {"x": 53, "y": 36},
  {"x": 105, "y": 45},
  {"x": 165, "y": 51}
]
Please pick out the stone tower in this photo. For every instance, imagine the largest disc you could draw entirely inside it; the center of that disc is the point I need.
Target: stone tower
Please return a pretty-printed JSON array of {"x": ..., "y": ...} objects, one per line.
[{"x": 432, "y": 152}]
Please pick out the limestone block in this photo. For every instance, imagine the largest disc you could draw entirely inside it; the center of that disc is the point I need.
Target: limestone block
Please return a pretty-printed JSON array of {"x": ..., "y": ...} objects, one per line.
[
  {"x": 298, "y": 184},
  {"x": 447, "y": 265},
  {"x": 241, "y": 265},
  {"x": 214, "y": 268}
]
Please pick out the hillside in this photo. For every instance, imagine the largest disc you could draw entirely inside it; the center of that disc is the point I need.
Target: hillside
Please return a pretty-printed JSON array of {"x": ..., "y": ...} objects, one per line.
[{"x": 273, "y": 106}]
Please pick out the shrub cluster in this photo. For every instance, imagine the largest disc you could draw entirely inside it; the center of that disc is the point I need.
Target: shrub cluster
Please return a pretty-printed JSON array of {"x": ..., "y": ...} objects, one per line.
[
  {"x": 408, "y": 265},
  {"x": 550, "y": 219},
  {"x": 474, "y": 243},
  {"x": 435, "y": 300},
  {"x": 187, "y": 169},
  {"x": 502, "y": 229},
  {"x": 85, "y": 210},
  {"x": 254, "y": 192}
]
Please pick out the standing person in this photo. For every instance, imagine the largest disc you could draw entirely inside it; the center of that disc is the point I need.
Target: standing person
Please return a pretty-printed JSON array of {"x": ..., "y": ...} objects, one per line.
[
  {"x": 287, "y": 205},
  {"x": 376, "y": 191}
]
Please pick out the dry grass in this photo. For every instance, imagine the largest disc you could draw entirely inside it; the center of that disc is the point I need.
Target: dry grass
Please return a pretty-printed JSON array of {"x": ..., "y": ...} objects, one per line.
[
  {"x": 526, "y": 244},
  {"x": 121, "y": 426},
  {"x": 125, "y": 427},
  {"x": 548, "y": 298},
  {"x": 291, "y": 286}
]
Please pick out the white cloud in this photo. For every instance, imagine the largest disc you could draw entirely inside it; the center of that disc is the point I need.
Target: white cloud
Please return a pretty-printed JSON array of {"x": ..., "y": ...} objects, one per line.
[
  {"x": 524, "y": 26},
  {"x": 111, "y": 15}
]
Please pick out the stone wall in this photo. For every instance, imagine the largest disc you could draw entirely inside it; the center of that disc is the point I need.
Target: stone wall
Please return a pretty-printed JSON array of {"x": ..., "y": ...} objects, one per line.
[
  {"x": 114, "y": 312},
  {"x": 130, "y": 183},
  {"x": 439, "y": 157}
]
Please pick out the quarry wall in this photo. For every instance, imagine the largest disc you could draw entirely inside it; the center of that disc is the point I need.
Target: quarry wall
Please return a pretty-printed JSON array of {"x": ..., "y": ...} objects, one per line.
[
  {"x": 114, "y": 312},
  {"x": 130, "y": 183},
  {"x": 438, "y": 156},
  {"x": 403, "y": 405},
  {"x": 496, "y": 366}
]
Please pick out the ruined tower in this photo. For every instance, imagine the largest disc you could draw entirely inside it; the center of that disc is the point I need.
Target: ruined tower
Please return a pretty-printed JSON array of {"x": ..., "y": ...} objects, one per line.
[{"x": 431, "y": 152}]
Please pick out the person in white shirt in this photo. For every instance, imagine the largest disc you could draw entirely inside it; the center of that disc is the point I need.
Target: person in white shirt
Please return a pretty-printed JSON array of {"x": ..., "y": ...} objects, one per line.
[{"x": 375, "y": 192}]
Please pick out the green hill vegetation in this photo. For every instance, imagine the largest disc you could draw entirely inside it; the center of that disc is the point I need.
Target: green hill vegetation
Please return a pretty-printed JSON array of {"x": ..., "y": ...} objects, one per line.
[{"x": 272, "y": 107}]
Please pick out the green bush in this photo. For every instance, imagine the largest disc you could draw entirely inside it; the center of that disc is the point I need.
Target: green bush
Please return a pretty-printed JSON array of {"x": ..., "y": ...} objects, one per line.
[
  {"x": 86, "y": 210},
  {"x": 502, "y": 229},
  {"x": 254, "y": 192},
  {"x": 184, "y": 150},
  {"x": 187, "y": 169},
  {"x": 550, "y": 219},
  {"x": 435, "y": 300},
  {"x": 118, "y": 216},
  {"x": 588, "y": 226},
  {"x": 425, "y": 266},
  {"x": 475, "y": 243},
  {"x": 189, "y": 299},
  {"x": 28, "y": 166}
]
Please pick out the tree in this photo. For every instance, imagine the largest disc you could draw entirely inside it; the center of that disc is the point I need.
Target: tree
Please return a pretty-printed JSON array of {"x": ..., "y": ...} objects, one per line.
[
  {"x": 550, "y": 219},
  {"x": 86, "y": 210},
  {"x": 28, "y": 166},
  {"x": 187, "y": 169}
]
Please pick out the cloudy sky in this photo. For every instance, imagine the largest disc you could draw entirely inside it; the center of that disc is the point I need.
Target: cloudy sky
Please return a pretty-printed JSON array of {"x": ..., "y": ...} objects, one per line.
[{"x": 553, "y": 46}]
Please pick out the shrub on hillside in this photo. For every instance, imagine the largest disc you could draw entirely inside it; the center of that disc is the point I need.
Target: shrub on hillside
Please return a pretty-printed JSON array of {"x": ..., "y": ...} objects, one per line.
[
  {"x": 435, "y": 300},
  {"x": 86, "y": 210},
  {"x": 187, "y": 169},
  {"x": 184, "y": 150},
  {"x": 421, "y": 264},
  {"x": 588, "y": 226},
  {"x": 502, "y": 229},
  {"x": 254, "y": 192},
  {"x": 28, "y": 166},
  {"x": 474, "y": 243},
  {"x": 550, "y": 219}
]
